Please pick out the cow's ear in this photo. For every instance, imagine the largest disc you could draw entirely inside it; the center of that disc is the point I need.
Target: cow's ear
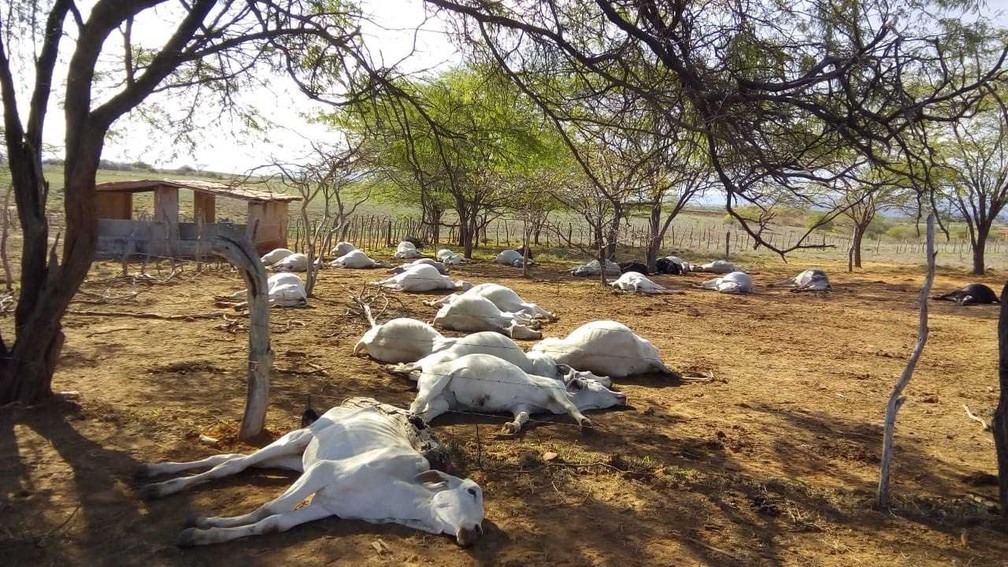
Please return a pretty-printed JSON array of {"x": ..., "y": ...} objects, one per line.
[
  {"x": 431, "y": 477},
  {"x": 575, "y": 385}
]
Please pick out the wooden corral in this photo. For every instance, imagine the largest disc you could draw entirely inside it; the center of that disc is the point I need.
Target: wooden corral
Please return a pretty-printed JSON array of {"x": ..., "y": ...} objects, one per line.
[{"x": 119, "y": 234}]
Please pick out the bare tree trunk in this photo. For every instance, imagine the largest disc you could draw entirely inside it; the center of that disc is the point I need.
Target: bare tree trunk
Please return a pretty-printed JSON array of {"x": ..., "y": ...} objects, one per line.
[
  {"x": 854, "y": 252},
  {"x": 896, "y": 398},
  {"x": 242, "y": 254},
  {"x": 979, "y": 251},
  {"x": 999, "y": 426}
]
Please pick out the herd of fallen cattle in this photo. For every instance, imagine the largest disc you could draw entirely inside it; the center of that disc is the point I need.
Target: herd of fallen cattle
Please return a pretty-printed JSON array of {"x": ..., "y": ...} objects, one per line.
[{"x": 370, "y": 461}]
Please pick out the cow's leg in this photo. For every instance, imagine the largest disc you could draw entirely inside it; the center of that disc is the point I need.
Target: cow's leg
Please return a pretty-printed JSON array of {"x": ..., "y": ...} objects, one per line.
[
  {"x": 521, "y": 417},
  {"x": 157, "y": 469},
  {"x": 317, "y": 476},
  {"x": 429, "y": 386},
  {"x": 275, "y": 523},
  {"x": 560, "y": 397},
  {"x": 293, "y": 443},
  {"x": 434, "y": 408},
  {"x": 442, "y": 301}
]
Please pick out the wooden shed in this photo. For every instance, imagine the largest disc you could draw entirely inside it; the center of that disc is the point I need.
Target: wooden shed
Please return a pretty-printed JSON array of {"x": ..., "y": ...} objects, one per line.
[{"x": 164, "y": 234}]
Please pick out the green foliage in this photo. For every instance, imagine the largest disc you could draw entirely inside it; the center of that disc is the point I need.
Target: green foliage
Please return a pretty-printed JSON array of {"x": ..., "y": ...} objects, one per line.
[
  {"x": 815, "y": 219},
  {"x": 902, "y": 231},
  {"x": 878, "y": 226}
]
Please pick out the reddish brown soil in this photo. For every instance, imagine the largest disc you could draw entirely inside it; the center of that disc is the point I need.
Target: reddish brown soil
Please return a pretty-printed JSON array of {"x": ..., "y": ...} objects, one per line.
[{"x": 774, "y": 462}]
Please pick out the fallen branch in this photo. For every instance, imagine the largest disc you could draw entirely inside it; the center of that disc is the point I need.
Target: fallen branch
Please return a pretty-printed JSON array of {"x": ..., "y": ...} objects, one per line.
[
  {"x": 976, "y": 418},
  {"x": 146, "y": 315},
  {"x": 714, "y": 549},
  {"x": 316, "y": 371},
  {"x": 107, "y": 331}
]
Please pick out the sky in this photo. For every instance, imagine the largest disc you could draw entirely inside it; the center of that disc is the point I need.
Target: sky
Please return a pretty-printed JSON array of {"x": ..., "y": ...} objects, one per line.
[
  {"x": 221, "y": 146},
  {"x": 390, "y": 34}
]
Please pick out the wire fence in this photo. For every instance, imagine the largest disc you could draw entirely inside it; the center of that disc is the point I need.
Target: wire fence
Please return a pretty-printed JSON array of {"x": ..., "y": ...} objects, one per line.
[{"x": 691, "y": 234}]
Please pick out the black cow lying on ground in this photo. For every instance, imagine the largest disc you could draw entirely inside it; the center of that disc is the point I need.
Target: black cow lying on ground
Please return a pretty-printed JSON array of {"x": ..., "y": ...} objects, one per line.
[{"x": 972, "y": 294}]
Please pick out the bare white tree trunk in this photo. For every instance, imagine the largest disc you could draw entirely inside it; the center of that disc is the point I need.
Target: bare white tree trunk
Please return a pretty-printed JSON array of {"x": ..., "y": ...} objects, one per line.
[
  {"x": 896, "y": 398},
  {"x": 3, "y": 240},
  {"x": 242, "y": 254}
]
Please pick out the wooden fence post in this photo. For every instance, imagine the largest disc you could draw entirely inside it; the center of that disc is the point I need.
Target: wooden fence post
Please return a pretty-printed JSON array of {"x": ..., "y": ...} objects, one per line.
[{"x": 242, "y": 254}]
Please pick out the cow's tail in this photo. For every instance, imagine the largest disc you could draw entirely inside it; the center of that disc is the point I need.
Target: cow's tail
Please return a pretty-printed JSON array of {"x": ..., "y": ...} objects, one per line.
[{"x": 309, "y": 416}]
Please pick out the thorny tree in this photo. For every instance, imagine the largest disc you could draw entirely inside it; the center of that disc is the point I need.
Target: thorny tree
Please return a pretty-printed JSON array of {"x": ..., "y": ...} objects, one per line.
[
  {"x": 976, "y": 171},
  {"x": 328, "y": 172},
  {"x": 213, "y": 47},
  {"x": 774, "y": 89}
]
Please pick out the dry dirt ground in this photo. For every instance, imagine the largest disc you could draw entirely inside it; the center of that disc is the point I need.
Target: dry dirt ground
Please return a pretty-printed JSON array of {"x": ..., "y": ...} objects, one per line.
[{"x": 775, "y": 462}]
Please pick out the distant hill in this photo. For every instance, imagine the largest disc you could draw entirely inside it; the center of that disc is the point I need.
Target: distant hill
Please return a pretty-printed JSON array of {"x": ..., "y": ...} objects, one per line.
[{"x": 146, "y": 168}]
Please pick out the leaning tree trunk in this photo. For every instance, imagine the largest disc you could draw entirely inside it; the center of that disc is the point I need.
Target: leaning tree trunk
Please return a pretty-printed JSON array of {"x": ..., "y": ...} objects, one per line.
[
  {"x": 896, "y": 398},
  {"x": 240, "y": 252},
  {"x": 999, "y": 425}
]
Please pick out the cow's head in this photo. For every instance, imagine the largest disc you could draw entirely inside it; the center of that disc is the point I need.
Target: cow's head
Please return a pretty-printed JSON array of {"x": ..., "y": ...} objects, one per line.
[
  {"x": 589, "y": 394},
  {"x": 456, "y": 505}
]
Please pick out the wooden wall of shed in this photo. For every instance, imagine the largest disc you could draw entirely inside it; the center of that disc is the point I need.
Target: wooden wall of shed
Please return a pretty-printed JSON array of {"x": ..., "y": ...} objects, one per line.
[
  {"x": 164, "y": 229},
  {"x": 114, "y": 205},
  {"x": 269, "y": 220},
  {"x": 204, "y": 207}
]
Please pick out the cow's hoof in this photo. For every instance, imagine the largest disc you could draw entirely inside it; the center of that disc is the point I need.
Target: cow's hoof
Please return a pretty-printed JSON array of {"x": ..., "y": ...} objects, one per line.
[
  {"x": 150, "y": 492},
  {"x": 187, "y": 538},
  {"x": 194, "y": 520},
  {"x": 586, "y": 424},
  {"x": 509, "y": 429},
  {"x": 142, "y": 472}
]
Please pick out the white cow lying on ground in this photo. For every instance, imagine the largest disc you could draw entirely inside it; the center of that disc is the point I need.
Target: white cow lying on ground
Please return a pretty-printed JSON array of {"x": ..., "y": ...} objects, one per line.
[
  {"x": 286, "y": 290},
  {"x": 496, "y": 344},
  {"x": 296, "y": 262},
  {"x": 342, "y": 248},
  {"x": 450, "y": 258},
  {"x": 505, "y": 298},
  {"x": 359, "y": 461},
  {"x": 717, "y": 267},
  {"x": 607, "y": 348},
  {"x": 638, "y": 283},
  {"x": 356, "y": 259},
  {"x": 476, "y": 313},
  {"x": 480, "y": 382},
  {"x": 400, "y": 340},
  {"x": 429, "y": 261},
  {"x": 809, "y": 280},
  {"x": 735, "y": 282},
  {"x": 406, "y": 250},
  {"x": 422, "y": 277},
  {"x": 593, "y": 268},
  {"x": 511, "y": 258},
  {"x": 275, "y": 256}
]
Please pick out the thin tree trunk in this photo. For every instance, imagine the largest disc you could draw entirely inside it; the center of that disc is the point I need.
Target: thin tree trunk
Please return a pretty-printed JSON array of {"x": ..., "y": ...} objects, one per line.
[
  {"x": 3, "y": 241},
  {"x": 242, "y": 254},
  {"x": 896, "y": 398}
]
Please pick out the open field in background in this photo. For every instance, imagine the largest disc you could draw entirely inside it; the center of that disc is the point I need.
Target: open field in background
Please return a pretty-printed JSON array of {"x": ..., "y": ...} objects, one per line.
[
  {"x": 773, "y": 463},
  {"x": 697, "y": 233}
]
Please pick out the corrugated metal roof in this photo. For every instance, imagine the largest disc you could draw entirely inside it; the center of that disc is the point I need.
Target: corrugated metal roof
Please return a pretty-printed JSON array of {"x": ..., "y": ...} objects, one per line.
[{"x": 221, "y": 189}]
